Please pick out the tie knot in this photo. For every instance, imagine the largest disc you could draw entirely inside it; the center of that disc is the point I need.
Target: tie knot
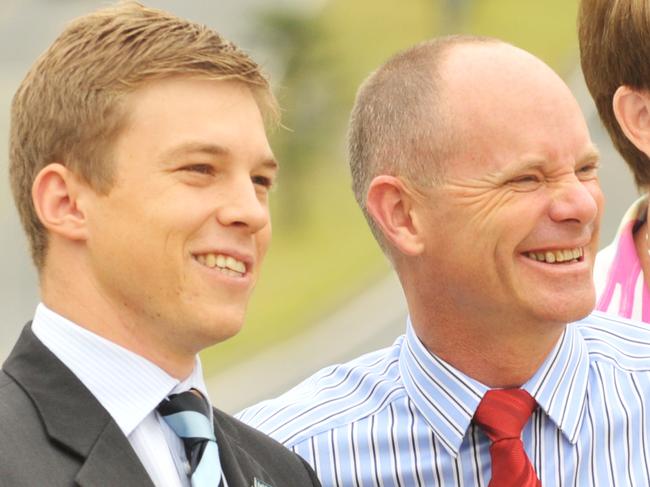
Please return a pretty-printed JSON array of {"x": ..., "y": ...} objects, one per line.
[
  {"x": 502, "y": 413},
  {"x": 188, "y": 414},
  {"x": 191, "y": 400}
]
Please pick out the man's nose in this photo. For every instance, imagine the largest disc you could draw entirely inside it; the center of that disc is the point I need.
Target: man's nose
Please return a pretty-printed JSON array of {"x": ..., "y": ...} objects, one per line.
[
  {"x": 244, "y": 206},
  {"x": 576, "y": 200}
]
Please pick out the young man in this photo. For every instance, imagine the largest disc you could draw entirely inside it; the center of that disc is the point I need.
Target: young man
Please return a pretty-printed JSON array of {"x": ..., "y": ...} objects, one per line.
[
  {"x": 474, "y": 166},
  {"x": 141, "y": 171}
]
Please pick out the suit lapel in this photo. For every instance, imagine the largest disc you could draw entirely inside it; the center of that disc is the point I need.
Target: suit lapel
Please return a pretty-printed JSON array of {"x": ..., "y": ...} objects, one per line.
[
  {"x": 238, "y": 466},
  {"x": 72, "y": 417},
  {"x": 112, "y": 461}
]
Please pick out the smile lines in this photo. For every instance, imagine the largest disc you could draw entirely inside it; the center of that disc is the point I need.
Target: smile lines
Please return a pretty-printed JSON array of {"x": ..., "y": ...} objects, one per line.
[
  {"x": 225, "y": 263},
  {"x": 557, "y": 256}
]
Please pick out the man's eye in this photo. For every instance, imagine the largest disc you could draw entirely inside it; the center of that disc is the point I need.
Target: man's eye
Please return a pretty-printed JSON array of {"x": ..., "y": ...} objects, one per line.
[
  {"x": 525, "y": 182},
  {"x": 262, "y": 181},
  {"x": 588, "y": 171},
  {"x": 526, "y": 179},
  {"x": 199, "y": 168}
]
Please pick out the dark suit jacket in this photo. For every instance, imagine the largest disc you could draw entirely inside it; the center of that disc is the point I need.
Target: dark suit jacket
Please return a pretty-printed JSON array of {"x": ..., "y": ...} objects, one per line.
[{"x": 53, "y": 432}]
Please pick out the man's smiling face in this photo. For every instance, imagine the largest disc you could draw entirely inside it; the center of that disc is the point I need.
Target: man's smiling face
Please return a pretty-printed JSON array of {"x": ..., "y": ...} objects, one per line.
[
  {"x": 513, "y": 229},
  {"x": 177, "y": 244}
]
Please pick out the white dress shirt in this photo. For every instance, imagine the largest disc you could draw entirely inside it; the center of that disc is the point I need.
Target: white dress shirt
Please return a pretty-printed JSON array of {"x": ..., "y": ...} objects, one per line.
[
  {"x": 402, "y": 416},
  {"x": 129, "y": 387}
]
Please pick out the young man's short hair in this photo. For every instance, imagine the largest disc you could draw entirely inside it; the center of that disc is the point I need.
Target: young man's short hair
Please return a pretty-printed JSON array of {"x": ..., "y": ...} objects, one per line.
[{"x": 73, "y": 102}]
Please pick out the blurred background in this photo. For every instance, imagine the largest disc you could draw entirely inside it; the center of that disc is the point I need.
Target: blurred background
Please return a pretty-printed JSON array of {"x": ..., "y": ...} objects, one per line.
[{"x": 326, "y": 292}]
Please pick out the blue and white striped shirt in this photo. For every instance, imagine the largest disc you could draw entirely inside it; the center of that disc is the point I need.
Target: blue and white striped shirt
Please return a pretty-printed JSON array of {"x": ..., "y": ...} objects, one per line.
[{"x": 403, "y": 417}]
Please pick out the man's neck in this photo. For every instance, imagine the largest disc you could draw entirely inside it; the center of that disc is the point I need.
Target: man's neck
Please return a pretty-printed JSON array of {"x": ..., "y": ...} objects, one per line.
[
  {"x": 486, "y": 352},
  {"x": 77, "y": 302}
]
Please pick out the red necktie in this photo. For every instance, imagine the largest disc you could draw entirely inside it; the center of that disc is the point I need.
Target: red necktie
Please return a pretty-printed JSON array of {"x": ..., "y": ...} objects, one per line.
[{"x": 502, "y": 415}]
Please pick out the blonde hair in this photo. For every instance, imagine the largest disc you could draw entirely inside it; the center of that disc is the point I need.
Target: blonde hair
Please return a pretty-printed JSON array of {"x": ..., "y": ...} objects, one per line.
[{"x": 70, "y": 106}]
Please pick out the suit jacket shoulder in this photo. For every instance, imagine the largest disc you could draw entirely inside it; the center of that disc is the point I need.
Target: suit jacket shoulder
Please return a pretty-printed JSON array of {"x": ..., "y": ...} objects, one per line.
[
  {"x": 52, "y": 429},
  {"x": 54, "y": 432},
  {"x": 25, "y": 458}
]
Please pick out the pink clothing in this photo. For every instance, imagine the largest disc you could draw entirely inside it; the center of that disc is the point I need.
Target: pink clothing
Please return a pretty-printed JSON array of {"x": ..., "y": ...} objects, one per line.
[{"x": 619, "y": 279}]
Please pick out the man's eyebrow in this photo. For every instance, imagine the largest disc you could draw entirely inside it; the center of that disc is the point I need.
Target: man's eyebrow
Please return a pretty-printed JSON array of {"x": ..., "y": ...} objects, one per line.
[
  {"x": 194, "y": 147},
  {"x": 530, "y": 163},
  {"x": 592, "y": 154},
  {"x": 209, "y": 149},
  {"x": 524, "y": 164},
  {"x": 270, "y": 163}
]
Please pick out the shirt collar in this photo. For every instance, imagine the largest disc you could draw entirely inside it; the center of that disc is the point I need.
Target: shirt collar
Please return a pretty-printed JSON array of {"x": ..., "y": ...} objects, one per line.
[
  {"x": 636, "y": 213},
  {"x": 560, "y": 385},
  {"x": 127, "y": 385},
  {"x": 448, "y": 399}
]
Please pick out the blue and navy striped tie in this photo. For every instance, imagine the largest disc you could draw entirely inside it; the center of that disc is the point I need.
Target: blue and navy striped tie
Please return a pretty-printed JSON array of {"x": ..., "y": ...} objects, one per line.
[{"x": 188, "y": 414}]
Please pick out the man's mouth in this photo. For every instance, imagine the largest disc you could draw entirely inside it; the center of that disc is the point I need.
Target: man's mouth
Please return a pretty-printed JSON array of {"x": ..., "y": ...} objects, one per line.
[
  {"x": 224, "y": 263},
  {"x": 558, "y": 256}
]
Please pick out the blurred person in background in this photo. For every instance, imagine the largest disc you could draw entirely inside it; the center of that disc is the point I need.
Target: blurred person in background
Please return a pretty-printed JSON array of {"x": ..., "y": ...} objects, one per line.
[
  {"x": 614, "y": 49},
  {"x": 486, "y": 200},
  {"x": 141, "y": 171}
]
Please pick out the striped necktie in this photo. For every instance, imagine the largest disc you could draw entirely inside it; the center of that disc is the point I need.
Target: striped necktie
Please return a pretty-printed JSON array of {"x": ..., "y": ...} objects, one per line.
[
  {"x": 502, "y": 414},
  {"x": 188, "y": 415}
]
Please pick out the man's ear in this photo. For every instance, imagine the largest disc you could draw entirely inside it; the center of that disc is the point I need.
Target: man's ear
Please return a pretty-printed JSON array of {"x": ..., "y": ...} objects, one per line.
[
  {"x": 390, "y": 203},
  {"x": 55, "y": 194},
  {"x": 632, "y": 111}
]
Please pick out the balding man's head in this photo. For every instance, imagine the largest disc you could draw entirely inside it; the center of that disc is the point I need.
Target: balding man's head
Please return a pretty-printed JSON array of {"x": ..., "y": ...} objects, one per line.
[
  {"x": 492, "y": 91},
  {"x": 485, "y": 189},
  {"x": 428, "y": 104},
  {"x": 400, "y": 123}
]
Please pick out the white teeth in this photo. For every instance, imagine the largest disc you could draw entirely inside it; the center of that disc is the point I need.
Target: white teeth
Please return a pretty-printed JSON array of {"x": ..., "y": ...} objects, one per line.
[
  {"x": 225, "y": 263},
  {"x": 553, "y": 256}
]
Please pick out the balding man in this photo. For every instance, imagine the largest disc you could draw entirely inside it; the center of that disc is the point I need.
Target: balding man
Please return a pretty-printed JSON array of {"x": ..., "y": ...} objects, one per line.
[{"x": 473, "y": 163}]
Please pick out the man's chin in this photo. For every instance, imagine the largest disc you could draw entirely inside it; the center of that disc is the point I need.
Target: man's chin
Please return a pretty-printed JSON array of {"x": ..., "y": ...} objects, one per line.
[
  {"x": 221, "y": 329},
  {"x": 568, "y": 310}
]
